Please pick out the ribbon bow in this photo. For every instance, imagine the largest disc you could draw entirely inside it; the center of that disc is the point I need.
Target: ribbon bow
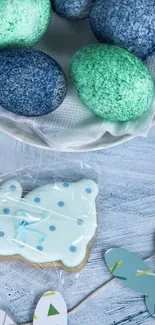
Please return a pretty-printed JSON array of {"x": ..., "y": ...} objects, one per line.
[{"x": 24, "y": 227}]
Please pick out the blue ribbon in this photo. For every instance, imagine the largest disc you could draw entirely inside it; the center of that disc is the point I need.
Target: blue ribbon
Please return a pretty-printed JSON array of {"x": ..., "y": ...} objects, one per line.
[{"x": 23, "y": 228}]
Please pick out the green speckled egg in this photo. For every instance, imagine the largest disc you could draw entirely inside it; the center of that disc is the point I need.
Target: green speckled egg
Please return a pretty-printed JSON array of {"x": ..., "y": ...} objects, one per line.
[
  {"x": 112, "y": 82},
  {"x": 23, "y": 22}
]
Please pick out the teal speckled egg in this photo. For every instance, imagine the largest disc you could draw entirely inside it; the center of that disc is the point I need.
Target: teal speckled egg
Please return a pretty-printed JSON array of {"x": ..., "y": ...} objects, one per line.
[
  {"x": 112, "y": 82},
  {"x": 23, "y": 22}
]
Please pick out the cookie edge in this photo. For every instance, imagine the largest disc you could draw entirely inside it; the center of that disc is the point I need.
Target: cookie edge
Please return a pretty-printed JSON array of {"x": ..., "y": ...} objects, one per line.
[{"x": 59, "y": 263}]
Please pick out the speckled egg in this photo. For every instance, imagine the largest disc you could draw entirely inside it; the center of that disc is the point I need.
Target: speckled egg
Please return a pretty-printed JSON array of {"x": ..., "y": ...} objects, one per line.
[
  {"x": 112, "y": 82},
  {"x": 23, "y": 22},
  {"x": 127, "y": 23},
  {"x": 31, "y": 82},
  {"x": 73, "y": 9}
]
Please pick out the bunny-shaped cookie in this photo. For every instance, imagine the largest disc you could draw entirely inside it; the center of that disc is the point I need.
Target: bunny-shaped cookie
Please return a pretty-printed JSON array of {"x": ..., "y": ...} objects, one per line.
[{"x": 55, "y": 223}]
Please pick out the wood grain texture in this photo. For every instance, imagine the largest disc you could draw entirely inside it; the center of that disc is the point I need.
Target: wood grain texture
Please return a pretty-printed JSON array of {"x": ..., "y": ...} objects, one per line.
[{"x": 126, "y": 219}]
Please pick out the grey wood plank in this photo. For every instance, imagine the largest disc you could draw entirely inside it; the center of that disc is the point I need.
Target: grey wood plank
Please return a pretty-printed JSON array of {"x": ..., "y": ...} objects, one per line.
[{"x": 126, "y": 219}]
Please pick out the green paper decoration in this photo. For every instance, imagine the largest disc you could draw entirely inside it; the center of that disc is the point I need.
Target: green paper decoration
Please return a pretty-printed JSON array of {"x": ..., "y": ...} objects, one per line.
[{"x": 52, "y": 311}]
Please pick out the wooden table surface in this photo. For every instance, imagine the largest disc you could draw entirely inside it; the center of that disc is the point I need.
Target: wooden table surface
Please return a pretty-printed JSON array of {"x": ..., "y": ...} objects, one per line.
[{"x": 126, "y": 219}]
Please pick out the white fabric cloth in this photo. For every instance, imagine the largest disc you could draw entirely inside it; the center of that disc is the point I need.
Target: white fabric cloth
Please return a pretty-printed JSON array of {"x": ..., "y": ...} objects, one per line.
[{"x": 72, "y": 124}]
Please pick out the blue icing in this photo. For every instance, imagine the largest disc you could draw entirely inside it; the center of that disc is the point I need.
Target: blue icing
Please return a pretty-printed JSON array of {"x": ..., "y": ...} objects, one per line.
[
  {"x": 2, "y": 233},
  {"x": 65, "y": 184},
  {"x": 72, "y": 248},
  {"x": 80, "y": 222},
  {"x": 6, "y": 211},
  {"x": 39, "y": 248},
  {"x": 44, "y": 214},
  {"x": 13, "y": 188},
  {"x": 52, "y": 228},
  {"x": 31, "y": 82},
  {"x": 36, "y": 228},
  {"x": 61, "y": 204},
  {"x": 22, "y": 230},
  {"x": 20, "y": 213},
  {"x": 37, "y": 199},
  {"x": 88, "y": 190}
]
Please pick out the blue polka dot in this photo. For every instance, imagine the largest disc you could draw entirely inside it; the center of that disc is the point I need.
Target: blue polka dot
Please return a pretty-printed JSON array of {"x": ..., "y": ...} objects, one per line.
[
  {"x": 39, "y": 248},
  {"x": 72, "y": 249},
  {"x": 88, "y": 190},
  {"x": 65, "y": 185},
  {"x": 52, "y": 228},
  {"x": 80, "y": 222},
  {"x": 6, "y": 211},
  {"x": 37, "y": 199},
  {"x": 61, "y": 204},
  {"x": 12, "y": 188},
  {"x": 2, "y": 233}
]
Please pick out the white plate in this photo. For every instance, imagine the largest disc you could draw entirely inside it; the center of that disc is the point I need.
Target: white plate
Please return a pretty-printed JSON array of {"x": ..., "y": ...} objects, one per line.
[
  {"x": 72, "y": 120},
  {"x": 21, "y": 132}
]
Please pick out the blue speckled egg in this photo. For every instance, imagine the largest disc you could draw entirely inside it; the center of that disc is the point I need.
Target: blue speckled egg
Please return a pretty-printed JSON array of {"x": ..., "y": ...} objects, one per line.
[
  {"x": 127, "y": 23},
  {"x": 31, "y": 82},
  {"x": 73, "y": 9}
]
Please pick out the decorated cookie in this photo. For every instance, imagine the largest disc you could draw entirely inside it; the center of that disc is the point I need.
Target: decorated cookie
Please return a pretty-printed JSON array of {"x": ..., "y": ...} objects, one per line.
[
  {"x": 73, "y": 9},
  {"x": 112, "y": 82},
  {"x": 129, "y": 24},
  {"x": 23, "y": 23},
  {"x": 31, "y": 82},
  {"x": 133, "y": 272},
  {"x": 55, "y": 223},
  {"x": 5, "y": 319}
]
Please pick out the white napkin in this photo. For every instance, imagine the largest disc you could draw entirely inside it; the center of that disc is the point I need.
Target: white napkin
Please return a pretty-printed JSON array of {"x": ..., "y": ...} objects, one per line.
[{"x": 72, "y": 124}]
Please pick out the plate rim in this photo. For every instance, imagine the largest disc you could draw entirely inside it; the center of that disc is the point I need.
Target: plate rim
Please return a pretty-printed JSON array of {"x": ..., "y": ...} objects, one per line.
[{"x": 28, "y": 139}]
